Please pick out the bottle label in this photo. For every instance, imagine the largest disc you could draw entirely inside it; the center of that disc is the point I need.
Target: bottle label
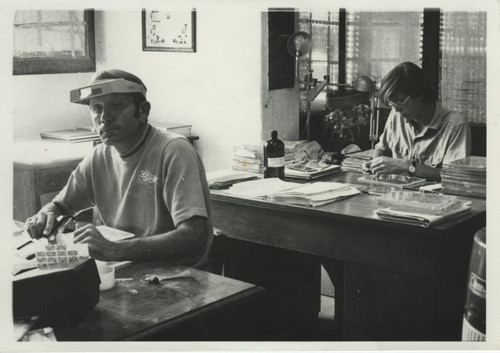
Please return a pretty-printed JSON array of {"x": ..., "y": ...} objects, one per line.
[{"x": 276, "y": 162}]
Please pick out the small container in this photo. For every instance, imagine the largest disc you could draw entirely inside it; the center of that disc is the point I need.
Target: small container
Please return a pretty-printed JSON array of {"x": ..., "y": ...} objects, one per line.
[{"x": 107, "y": 276}]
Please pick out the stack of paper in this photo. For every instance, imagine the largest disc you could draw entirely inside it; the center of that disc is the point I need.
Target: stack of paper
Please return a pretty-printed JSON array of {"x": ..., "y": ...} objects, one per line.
[
  {"x": 421, "y": 209},
  {"x": 419, "y": 202},
  {"x": 261, "y": 188},
  {"x": 314, "y": 194},
  {"x": 353, "y": 162},
  {"x": 248, "y": 158},
  {"x": 292, "y": 148},
  {"x": 221, "y": 179},
  {"x": 420, "y": 219},
  {"x": 465, "y": 176}
]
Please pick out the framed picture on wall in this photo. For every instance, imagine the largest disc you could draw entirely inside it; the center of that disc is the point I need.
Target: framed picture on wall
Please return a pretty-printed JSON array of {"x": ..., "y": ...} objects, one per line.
[{"x": 169, "y": 31}]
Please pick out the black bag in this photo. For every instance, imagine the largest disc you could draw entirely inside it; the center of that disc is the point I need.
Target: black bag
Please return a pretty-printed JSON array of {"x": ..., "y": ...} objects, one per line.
[{"x": 58, "y": 298}]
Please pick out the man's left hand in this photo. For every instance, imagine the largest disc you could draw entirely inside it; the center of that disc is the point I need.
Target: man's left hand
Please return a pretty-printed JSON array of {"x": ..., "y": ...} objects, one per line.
[
  {"x": 99, "y": 247},
  {"x": 388, "y": 165}
]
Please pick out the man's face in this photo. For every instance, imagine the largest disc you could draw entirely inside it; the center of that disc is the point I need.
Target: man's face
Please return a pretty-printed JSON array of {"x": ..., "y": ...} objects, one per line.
[
  {"x": 116, "y": 119},
  {"x": 406, "y": 105}
]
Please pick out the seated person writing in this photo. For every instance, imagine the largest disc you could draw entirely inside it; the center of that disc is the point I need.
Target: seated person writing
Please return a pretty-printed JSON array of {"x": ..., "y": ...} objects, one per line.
[
  {"x": 140, "y": 180},
  {"x": 420, "y": 135}
]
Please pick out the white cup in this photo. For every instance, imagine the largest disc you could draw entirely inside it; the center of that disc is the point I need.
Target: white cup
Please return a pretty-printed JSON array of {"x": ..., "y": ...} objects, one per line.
[{"x": 107, "y": 275}]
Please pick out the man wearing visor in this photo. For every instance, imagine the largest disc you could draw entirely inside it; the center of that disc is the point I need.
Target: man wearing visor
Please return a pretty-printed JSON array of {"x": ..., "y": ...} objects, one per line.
[
  {"x": 140, "y": 180},
  {"x": 420, "y": 135}
]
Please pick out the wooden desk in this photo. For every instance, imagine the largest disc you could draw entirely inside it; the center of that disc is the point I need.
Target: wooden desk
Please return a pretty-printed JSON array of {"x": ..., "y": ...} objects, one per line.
[
  {"x": 400, "y": 282},
  {"x": 156, "y": 310}
]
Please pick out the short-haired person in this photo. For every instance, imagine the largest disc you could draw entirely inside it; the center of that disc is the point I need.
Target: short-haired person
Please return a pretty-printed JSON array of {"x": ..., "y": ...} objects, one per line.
[
  {"x": 419, "y": 135},
  {"x": 140, "y": 180}
]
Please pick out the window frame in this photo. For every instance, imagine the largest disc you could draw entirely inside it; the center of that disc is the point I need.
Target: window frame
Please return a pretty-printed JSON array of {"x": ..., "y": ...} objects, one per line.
[{"x": 35, "y": 66}]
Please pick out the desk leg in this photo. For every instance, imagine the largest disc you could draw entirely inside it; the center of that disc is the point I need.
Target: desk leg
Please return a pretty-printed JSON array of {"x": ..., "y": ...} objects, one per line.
[
  {"x": 383, "y": 305},
  {"x": 335, "y": 270},
  {"x": 292, "y": 282}
]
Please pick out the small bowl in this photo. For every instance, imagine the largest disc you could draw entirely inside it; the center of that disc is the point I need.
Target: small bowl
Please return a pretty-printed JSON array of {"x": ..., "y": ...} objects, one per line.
[{"x": 107, "y": 275}]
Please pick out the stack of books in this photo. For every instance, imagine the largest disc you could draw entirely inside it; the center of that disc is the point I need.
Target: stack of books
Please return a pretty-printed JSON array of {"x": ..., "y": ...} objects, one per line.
[
  {"x": 465, "y": 177},
  {"x": 248, "y": 158},
  {"x": 420, "y": 209},
  {"x": 353, "y": 162},
  {"x": 80, "y": 134}
]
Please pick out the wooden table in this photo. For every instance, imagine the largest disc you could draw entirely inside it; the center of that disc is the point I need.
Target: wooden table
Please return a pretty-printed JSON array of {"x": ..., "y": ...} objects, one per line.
[
  {"x": 134, "y": 310},
  {"x": 401, "y": 282}
]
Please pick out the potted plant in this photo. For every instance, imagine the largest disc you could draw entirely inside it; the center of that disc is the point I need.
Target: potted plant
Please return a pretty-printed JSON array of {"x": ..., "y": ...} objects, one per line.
[{"x": 344, "y": 126}]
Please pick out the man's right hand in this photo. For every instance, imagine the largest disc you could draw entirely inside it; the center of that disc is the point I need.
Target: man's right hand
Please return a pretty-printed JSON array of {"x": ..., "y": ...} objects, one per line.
[{"x": 41, "y": 224}]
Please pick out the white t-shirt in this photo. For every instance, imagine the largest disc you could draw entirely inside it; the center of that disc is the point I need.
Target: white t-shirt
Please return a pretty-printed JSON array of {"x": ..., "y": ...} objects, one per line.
[{"x": 149, "y": 192}]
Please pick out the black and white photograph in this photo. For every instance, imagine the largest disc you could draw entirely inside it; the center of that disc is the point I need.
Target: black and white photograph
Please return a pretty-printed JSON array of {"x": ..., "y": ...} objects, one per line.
[{"x": 250, "y": 176}]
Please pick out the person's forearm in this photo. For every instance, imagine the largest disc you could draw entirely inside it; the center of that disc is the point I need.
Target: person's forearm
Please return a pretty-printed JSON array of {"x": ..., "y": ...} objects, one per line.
[
  {"x": 427, "y": 172},
  {"x": 187, "y": 243}
]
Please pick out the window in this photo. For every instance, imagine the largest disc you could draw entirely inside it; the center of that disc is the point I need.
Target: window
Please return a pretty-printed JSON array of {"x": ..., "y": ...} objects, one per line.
[
  {"x": 375, "y": 42},
  {"x": 378, "y": 41},
  {"x": 48, "y": 41},
  {"x": 463, "y": 62}
]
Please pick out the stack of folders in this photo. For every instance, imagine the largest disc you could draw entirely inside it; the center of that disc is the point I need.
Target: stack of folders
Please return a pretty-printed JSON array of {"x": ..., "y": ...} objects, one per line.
[
  {"x": 311, "y": 194},
  {"x": 353, "y": 162},
  {"x": 420, "y": 209},
  {"x": 465, "y": 176},
  {"x": 222, "y": 179},
  {"x": 248, "y": 158}
]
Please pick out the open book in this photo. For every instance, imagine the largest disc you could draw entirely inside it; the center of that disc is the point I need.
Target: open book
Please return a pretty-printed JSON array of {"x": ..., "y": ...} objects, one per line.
[{"x": 309, "y": 171}]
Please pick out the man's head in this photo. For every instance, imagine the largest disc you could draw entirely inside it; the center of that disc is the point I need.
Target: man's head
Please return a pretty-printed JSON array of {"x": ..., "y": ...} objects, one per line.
[
  {"x": 118, "y": 107},
  {"x": 406, "y": 88}
]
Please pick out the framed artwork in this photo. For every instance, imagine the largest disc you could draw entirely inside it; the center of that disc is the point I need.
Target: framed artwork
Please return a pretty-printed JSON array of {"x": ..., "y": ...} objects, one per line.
[{"x": 169, "y": 31}]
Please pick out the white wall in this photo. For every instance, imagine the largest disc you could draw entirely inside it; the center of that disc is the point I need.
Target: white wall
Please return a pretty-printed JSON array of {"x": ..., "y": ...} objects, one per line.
[{"x": 221, "y": 89}]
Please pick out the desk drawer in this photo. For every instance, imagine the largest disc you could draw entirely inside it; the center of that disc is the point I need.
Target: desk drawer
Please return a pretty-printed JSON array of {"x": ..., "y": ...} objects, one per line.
[{"x": 54, "y": 178}]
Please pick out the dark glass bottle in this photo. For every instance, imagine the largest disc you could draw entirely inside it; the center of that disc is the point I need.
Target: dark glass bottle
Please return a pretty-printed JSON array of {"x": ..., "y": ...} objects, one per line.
[{"x": 274, "y": 157}]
